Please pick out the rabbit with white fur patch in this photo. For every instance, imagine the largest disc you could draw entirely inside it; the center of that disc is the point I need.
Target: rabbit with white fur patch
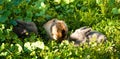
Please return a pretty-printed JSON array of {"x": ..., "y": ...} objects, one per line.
[{"x": 85, "y": 34}]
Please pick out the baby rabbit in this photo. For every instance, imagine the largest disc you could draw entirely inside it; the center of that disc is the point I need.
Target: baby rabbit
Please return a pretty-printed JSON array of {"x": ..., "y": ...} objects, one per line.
[
  {"x": 56, "y": 29},
  {"x": 23, "y": 29},
  {"x": 85, "y": 34}
]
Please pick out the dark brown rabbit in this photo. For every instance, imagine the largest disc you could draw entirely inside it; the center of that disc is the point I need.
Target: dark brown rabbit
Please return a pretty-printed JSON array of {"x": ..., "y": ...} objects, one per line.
[{"x": 23, "y": 29}]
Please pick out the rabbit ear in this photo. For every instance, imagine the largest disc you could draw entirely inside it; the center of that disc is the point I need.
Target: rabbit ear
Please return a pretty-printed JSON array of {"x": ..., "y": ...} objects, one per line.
[
  {"x": 82, "y": 28},
  {"x": 86, "y": 30},
  {"x": 20, "y": 22}
]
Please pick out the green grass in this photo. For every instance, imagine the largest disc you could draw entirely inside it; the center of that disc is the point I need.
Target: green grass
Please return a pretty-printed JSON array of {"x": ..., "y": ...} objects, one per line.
[{"x": 102, "y": 16}]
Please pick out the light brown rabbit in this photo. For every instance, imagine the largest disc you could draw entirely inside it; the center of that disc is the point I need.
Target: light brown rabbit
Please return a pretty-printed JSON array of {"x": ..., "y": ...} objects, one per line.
[{"x": 56, "y": 29}]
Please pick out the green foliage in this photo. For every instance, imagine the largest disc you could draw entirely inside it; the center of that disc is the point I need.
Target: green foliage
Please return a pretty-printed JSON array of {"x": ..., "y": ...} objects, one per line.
[{"x": 101, "y": 15}]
